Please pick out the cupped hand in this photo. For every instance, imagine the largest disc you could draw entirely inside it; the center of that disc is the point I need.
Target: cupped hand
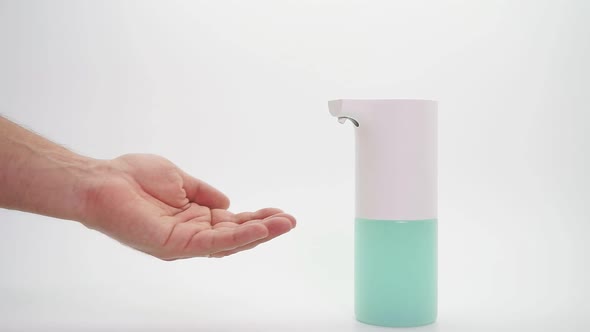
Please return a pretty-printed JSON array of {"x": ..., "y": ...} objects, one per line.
[{"x": 148, "y": 203}]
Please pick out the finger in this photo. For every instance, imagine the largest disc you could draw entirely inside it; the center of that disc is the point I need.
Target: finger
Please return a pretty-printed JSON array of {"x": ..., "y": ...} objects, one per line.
[
  {"x": 243, "y": 217},
  {"x": 202, "y": 193},
  {"x": 214, "y": 240},
  {"x": 276, "y": 226},
  {"x": 226, "y": 224},
  {"x": 230, "y": 224},
  {"x": 268, "y": 222},
  {"x": 286, "y": 215}
]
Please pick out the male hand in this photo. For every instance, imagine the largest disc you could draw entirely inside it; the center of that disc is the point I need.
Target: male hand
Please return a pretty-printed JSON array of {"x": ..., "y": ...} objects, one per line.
[{"x": 148, "y": 203}]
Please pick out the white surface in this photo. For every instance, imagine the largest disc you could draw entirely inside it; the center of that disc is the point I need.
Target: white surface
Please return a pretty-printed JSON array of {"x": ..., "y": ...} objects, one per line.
[
  {"x": 396, "y": 157},
  {"x": 235, "y": 93}
]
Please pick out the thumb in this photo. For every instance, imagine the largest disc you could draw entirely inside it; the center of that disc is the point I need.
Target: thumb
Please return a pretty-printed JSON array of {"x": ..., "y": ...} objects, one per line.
[{"x": 202, "y": 193}]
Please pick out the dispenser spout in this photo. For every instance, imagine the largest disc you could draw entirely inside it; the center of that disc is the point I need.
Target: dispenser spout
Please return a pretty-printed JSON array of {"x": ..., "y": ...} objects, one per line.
[
  {"x": 343, "y": 119},
  {"x": 338, "y": 109}
]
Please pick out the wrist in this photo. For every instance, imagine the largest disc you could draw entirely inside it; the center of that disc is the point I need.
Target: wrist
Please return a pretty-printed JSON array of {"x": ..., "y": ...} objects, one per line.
[
  {"x": 60, "y": 183},
  {"x": 86, "y": 175},
  {"x": 54, "y": 183},
  {"x": 90, "y": 190}
]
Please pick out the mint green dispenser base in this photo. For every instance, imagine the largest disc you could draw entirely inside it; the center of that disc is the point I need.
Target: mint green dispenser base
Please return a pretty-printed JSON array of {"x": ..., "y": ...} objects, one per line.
[{"x": 396, "y": 272}]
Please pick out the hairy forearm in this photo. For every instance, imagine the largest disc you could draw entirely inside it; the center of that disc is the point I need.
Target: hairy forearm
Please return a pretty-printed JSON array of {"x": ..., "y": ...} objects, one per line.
[{"x": 39, "y": 176}]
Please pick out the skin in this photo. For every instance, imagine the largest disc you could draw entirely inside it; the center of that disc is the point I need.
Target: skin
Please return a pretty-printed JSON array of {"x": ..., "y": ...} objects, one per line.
[{"x": 143, "y": 201}]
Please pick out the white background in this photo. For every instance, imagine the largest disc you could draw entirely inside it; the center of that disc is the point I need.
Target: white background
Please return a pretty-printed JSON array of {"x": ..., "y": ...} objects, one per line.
[{"x": 235, "y": 92}]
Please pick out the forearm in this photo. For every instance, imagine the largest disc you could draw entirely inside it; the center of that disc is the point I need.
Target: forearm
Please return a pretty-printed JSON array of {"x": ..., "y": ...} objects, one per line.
[{"x": 39, "y": 176}]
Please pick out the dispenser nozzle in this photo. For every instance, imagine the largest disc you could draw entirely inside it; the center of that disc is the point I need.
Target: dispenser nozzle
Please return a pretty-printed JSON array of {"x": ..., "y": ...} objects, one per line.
[
  {"x": 338, "y": 110},
  {"x": 343, "y": 119}
]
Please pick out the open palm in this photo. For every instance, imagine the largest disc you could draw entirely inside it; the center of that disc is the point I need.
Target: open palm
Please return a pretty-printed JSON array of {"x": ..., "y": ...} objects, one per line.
[{"x": 148, "y": 203}]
